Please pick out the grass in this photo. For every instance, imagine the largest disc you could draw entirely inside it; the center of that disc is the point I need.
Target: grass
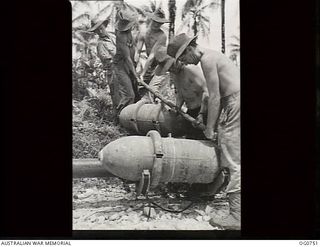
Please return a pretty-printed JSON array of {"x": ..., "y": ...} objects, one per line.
[{"x": 93, "y": 125}]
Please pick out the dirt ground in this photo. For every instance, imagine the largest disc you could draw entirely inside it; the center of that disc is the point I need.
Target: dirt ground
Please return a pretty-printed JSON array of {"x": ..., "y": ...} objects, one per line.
[{"x": 108, "y": 204}]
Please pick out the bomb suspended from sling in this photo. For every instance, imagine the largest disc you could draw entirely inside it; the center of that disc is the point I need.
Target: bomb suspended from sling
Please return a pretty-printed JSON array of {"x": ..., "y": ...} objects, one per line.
[
  {"x": 167, "y": 159},
  {"x": 139, "y": 118}
]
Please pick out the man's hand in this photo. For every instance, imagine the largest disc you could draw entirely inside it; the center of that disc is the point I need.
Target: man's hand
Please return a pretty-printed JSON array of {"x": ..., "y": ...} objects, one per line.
[
  {"x": 208, "y": 132},
  {"x": 172, "y": 108},
  {"x": 199, "y": 120},
  {"x": 141, "y": 79},
  {"x": 139, "y": 67},
  {"x": 136, "y": 57}
]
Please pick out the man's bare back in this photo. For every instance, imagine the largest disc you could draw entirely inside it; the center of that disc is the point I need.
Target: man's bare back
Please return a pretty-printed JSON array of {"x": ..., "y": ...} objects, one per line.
[{"x": 228, "y": 74}]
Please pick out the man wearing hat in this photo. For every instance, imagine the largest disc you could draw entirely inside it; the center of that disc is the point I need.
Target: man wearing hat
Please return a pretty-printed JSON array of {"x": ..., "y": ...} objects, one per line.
[
  {"x": 124, "y": 67},
  {"x": 223, "y": 82},
  {"x": 105, "y": 51},
  {"x": 150, "y": 37},
  {"x": 189, "y": 83},
  {"x": 105, "y": 46}
]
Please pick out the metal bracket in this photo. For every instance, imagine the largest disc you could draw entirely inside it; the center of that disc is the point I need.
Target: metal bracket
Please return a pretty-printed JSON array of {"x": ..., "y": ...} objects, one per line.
[
  {"x": 135, "y": 114},
  {"x": 155, "y": 121},
  {"x": 158, "y": 155},
  {"x": 142, "y": 187}
]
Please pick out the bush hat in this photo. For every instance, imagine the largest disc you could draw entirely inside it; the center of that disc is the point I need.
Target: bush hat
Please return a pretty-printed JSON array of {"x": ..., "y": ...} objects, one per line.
[
  {"x": 178, "y": 45},
  {"x": 158, "y": 16},
  {"x": 127, "y": 17}
]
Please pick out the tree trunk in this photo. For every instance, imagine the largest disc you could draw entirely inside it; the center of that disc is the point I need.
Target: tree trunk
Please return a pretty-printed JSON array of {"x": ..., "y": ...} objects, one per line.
[
  {"x": 195, "y": 25},
  {"x": 223, "y": 41},
  {"x": 172, "y": 17}
]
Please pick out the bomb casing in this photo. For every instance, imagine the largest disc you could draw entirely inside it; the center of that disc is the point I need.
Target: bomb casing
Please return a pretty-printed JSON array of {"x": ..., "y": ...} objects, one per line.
[{"x": 168, "y": 159}]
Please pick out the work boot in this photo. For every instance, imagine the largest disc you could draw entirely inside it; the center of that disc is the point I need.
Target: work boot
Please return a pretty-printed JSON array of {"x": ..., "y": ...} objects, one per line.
[{"x": 233, "y": 220}]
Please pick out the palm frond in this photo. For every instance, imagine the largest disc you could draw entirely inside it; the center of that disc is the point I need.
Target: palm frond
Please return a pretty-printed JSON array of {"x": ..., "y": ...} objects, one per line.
[
  {"x": 211, "y": 5},
  {"x": 140, "y": 11},
  {"x": 77, "y": 36},
  {"x": 85, "y": 33},
  {"x": 188, "y": 6},
  {"x": 81, "y": 3},
  {"x": 109, "y": 7},
  {"x": 205, "y": 18},
  {"x": 234, "y": 48},
  {"x": 234, "y": 44},
  {"x": 204, "y": 22},
  {"x": 204, "y": 29},
  {"x": 82, "y": 17},
  {"x": 237, "y": 38},
  {"x": 81, "y": 22}
]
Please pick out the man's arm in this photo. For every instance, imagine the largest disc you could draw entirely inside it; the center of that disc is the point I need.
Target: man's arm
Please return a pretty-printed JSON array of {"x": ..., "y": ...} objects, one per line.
[
  {"x": 212, "y": 79},
  {"x": 199, "y": 79},
  {"x": 139, "y": 47},
  {"x": 151, "y": 57},
  {"x": 148, "y": 63},
  {"x": 102, "y": 52}
]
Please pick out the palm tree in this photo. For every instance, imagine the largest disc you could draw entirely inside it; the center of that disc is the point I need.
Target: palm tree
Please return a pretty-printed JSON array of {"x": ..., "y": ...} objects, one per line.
[
  {"x": 172, "y": 17},
  {"x": 223, "y": 39},
  {"x": 80, "y": 39},
  {"x": 193, "y": 16},
  {"x": 151, "y": 7}
]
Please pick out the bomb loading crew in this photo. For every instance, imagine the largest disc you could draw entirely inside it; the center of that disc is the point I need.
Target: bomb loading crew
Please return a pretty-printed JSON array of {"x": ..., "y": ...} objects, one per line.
[{"x": 213, "y": 91}]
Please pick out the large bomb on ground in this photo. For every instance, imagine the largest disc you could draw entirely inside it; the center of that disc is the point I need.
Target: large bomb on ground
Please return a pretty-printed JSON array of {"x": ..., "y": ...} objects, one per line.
[
  {"x": 168, "y": 159},
  {"x": 140, "y": 118}
]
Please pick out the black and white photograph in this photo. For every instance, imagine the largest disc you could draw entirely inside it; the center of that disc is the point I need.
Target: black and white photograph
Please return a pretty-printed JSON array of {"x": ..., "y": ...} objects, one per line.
[{"x": 156, "y": 115}]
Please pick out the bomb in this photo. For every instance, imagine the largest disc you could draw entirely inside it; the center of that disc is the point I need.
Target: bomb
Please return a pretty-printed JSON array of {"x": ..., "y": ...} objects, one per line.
[
  {"x": 166, "y": 159},
  {"x": 141, "y": 117}
]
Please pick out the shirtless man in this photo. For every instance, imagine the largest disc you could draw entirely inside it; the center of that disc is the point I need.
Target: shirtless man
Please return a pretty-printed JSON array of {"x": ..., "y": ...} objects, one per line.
[
  {"x": 190, "y": 86},
  {"x": 223, "y": 82},
  {"x": 149, "y": 37}
]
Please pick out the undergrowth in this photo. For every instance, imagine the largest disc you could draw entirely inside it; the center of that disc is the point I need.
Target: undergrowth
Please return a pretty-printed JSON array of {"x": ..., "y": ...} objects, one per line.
[{"x": 93, "y": 125}]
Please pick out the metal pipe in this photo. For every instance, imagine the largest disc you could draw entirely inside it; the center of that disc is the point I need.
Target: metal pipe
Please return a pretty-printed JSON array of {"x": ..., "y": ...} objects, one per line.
[{"x": 89, "y": 168}]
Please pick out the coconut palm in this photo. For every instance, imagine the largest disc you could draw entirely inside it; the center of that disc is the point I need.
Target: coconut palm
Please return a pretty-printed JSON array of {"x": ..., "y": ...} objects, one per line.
[
  {"x": 172, "y": 17},
  {"x": 223, "y": 39},
  {"x": 193, "y": 16}
]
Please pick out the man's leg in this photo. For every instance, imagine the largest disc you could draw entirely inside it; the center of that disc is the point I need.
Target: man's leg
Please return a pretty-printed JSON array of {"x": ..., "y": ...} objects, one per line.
[
  {"x": 230, "y": 158},
  {"x": 126, "y": 92}
]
